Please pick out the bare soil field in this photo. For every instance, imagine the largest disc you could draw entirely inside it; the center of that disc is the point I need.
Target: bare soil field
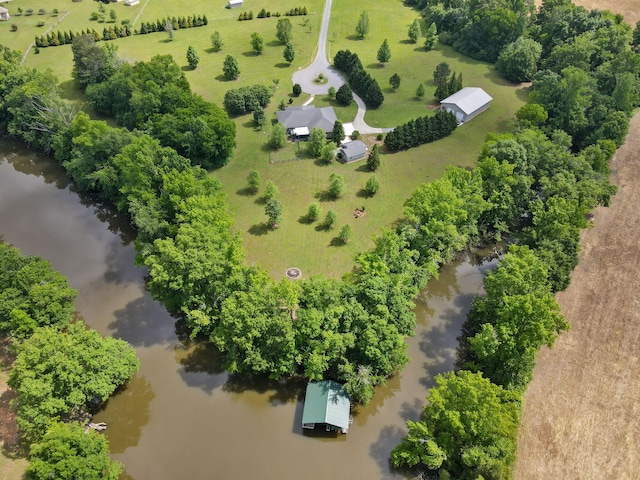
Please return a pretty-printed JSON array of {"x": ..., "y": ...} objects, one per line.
[{"x": 580, "y": 415}]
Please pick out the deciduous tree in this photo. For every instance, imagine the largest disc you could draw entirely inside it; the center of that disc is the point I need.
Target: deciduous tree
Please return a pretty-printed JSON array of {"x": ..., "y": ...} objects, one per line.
[
  {"x": 289, "y": 53},
  {"x": 257, "y": 42},
  {"x": 273, "y": 211},
  {"x": 283, "y": 30},
  {"x": 216, "y": 41},
  {"x": 373, "y": 186},
  {"x": 345, "y": 234},
  {"x": 231, "y": 68},
  {"x": 66, "y": 452},
  {"x": 58, "y": 373},
  {"x": 254, "y": 181},
  {"x": 336, "y": 186},
  {"x": 317, "y": 140},
  {"x": 314, "y": 211},
  {"x": 278, "y": 136},
  {"x": 518, "y": 61}
]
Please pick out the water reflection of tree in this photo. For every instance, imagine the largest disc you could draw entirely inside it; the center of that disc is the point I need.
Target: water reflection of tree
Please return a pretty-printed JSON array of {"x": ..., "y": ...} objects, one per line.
[
  {"x": 281, "y": 391},
  {"x": 201, "y": 364},
  {"x": 126, "y": 413}
]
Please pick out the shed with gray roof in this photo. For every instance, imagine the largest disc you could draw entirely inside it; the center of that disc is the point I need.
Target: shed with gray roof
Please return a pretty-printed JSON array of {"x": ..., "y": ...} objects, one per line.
[
  {"x": 466, "y": 103},
  {"x": 352, "y": 151},
  {"x": 307, "y": 116}
]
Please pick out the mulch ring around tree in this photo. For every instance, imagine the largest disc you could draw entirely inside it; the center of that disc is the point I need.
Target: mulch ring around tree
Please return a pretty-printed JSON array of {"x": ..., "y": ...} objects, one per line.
[{"x": 293, "y": 273}]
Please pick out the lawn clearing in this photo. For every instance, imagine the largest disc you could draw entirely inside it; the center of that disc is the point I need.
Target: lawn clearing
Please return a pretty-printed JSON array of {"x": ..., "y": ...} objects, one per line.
[{"x": 315, "y": 251}]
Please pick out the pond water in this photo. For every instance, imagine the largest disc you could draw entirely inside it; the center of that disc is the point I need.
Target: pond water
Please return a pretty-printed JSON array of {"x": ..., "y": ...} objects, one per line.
[{"x": 182, "y": 416}]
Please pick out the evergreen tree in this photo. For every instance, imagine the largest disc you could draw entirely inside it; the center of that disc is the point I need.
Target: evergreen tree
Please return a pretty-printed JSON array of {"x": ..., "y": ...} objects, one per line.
[
  {"x": 344, "y": 95},
  {"x": 394, "y": 81},
  {"x": 431, "y": 37},
  {"x": 441, "y": 73},
  {"x": 384, "y": 52},
  {"x": 420, "y": 91},
  {"x": 415, "y": 31},
  {"x": 338, "y": 132},
  {"x": 273, "y": 211},
  {"x": 362, "y": 28},
  {"x": 373, "y": 161},
  {"x": 192, "y": 57}
]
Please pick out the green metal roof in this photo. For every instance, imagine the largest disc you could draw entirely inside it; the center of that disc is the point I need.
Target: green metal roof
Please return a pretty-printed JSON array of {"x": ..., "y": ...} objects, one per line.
[{"x": 326, "y": 402}]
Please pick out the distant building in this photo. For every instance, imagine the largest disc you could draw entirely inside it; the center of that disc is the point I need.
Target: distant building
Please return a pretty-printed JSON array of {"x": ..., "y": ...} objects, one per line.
[
  {"x": 326, "y": 404},
  {"x": 295, "y": 118},
  {"x": 131, "y": 3},
  {"x": 352, "y": 151},
  {"x": 4, "y": 14},
  {"x": 235, "y": 3},
  {"x": 466, "y": 103}
]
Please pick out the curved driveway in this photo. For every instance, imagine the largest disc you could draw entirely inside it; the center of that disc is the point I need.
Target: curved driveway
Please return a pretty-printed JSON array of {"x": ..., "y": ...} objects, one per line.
[{"x": 306, "y": 77}]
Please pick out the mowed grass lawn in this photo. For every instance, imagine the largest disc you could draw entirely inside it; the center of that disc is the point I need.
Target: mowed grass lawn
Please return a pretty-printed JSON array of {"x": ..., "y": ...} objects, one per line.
[{"x": 302, "y": 181}]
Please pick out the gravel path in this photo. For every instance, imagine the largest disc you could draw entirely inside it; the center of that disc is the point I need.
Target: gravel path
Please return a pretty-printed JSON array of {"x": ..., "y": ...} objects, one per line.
[{"x": 306, "y": 76}]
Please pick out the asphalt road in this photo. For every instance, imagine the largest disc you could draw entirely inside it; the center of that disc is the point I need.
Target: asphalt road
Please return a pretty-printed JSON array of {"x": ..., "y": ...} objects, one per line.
[{"x": 306, "y": 77}]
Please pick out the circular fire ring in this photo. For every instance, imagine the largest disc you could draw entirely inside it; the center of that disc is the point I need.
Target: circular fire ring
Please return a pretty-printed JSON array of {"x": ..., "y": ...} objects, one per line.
[{"x": 293, "y": 273}]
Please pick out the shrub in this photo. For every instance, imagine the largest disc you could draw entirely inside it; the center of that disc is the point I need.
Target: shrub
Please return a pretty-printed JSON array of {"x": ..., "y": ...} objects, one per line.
[
  {"x": 355, "y": 135},
  {"x": 42, "y": 11},
  {"x": 297, "y": 89},
  {"x": 28, "y": 11},
  {"x": 14, "y": 27},
  {"x": 332, "y": 92},
  {"x": 40, "y": 24}
]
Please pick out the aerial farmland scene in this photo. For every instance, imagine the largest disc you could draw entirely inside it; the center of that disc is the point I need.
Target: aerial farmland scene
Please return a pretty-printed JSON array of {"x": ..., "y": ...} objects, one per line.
[{"x": 319, "y": 239}]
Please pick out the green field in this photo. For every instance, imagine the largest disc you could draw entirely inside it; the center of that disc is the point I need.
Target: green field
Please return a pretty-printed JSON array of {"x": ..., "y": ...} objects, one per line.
[{"x": 300, "y": 180}]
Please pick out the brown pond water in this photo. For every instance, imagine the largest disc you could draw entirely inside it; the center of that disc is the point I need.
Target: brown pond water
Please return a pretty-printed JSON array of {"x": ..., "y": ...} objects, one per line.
[{"x": 182, "y": 417}]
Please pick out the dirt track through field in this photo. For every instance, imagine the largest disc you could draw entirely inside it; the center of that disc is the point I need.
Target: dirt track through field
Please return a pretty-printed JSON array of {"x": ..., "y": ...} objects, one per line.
[{"x": 581, "y": 415}]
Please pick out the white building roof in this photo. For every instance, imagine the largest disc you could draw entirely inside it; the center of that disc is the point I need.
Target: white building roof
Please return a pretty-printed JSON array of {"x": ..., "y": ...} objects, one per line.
[
  {"x": 235, "y": 2},
  {"x": 300, "y": 131},
  {"x": 469, "y": 99}
]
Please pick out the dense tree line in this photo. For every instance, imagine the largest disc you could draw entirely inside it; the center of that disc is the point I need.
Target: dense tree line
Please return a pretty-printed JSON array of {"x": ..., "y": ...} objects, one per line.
[
  {"x": 538, "y": 184},
  {"x": 360, "y": 80},
  {"x": 422, "y": 130},
  {"x": 155, "y": 96},
  {"x": 61, "y": 370},
  {"x": 54, "y": 39},
  {"x": 246, "y": 99}
]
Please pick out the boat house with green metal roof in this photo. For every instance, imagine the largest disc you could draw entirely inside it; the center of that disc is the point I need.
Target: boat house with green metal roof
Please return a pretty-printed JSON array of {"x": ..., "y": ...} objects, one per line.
[{"x": 326, "y": 403}]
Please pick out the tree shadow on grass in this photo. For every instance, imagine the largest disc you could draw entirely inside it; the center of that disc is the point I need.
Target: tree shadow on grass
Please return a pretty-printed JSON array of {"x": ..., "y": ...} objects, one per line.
[
  {"x": 376, "y": 66},
  {"x": 259, "y": 229},
  {"x": 261, "y": 200},
  {"x": 211, "y": 50},
  {"x": 222, "y": 78},
  {"x": 245, "y": 192},
  {"x": 282, "y": 65},
  {"x": 304, "y": 220},
  {"x": 362, "y": 193},
  {"x": 336, "y": 242},
  {"x": 320, "y": 163},
  {"x": 321, "y": 227},
  {"x": 355, "y": 37},
  {"x": 274, "y": 43},
  {"x": 250, "y": 53},
  {"x": 364, "y": 168},
  {"x": 406, "y": 41}
]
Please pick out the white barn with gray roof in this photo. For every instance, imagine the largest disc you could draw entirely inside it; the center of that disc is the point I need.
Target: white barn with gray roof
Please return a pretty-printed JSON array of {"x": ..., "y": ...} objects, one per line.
[{"x": 467, "y": 103}]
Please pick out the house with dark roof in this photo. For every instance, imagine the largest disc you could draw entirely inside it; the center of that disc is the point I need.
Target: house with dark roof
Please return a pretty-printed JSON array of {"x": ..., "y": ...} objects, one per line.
[
  {"x": 466, "y": 103},
  {"x": 326, "y": 404},
  {"x": 307, "y": 117},
  {"x": 4, "y": 13},
  {"x": 352, "y": 151}
]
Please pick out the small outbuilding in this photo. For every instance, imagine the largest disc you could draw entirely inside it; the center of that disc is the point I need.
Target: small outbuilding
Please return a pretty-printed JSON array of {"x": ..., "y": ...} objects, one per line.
[
  {"x": 4, "y": 14},
  {"x": 307, "y": 117},
  {"x": 131, "y": 3},
  {"x": 235, "y": 3},
  {"x": 467, "y": 103},
  {"x": 352, "y": 151},
  {"x": 327, "y": 404}
]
